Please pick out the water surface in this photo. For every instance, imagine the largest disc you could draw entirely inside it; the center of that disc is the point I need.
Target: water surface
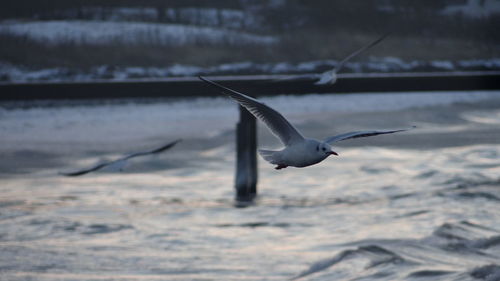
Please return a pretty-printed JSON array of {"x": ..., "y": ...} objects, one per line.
[{"x": 419, "y": 205}]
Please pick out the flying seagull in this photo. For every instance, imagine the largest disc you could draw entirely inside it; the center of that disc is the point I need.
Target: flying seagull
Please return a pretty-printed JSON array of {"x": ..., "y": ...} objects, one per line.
[
  {"x": 120, "y": 163},
  {"x": 330, "y": 77},
  {"x": 299, "y": 151}
]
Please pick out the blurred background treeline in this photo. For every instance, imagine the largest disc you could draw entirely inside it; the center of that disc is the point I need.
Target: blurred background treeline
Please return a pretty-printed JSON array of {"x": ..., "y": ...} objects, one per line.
[{"x": 198, "y": 36}]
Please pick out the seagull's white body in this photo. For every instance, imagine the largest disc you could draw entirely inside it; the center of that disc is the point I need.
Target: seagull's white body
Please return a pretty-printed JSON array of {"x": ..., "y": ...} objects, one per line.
[
  {"x": 298, "y": 151},
  {"x": 327, "y": 77},
  {"x": 300, "y": 154}
]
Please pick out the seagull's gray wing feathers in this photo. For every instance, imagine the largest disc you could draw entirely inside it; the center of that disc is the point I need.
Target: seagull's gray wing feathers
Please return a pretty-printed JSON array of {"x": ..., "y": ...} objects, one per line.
[
  {"x": 359, "y": 134},
  {"x": 278, "y": 125},
  {"x": 86, "y": 171},
  {"x": 153, "y": 151}
]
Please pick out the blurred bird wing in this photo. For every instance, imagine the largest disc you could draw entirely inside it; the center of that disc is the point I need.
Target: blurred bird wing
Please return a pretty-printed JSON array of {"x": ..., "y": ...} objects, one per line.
[
  {"x": 278, "y": 125},
  {"x": 341, "y": 64},
  {"x": 359, "y": 134},
  {"x": 120, "y": 163},
  {"x": 86, "y": 171},
  {"x": 153, "y": 151}
]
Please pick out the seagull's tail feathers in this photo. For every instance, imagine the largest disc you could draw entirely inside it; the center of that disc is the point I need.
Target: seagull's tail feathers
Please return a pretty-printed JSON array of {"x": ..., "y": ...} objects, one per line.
[{"x": 269, "y": 155}]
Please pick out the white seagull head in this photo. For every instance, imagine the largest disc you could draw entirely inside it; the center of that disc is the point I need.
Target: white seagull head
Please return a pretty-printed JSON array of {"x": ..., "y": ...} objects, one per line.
[{"x": 323, "y": 149}]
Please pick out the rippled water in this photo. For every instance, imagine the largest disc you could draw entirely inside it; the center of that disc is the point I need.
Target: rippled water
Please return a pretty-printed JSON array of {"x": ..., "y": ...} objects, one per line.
[{"x": 421, "y": 205}]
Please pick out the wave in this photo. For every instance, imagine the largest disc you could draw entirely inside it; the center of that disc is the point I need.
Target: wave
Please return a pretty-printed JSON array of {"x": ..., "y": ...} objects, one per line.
[{"x": 454, "y": 251}]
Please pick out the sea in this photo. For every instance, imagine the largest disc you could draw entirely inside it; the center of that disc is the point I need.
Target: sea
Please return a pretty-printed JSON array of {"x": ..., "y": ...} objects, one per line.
[{"x": 417, "y": 205}]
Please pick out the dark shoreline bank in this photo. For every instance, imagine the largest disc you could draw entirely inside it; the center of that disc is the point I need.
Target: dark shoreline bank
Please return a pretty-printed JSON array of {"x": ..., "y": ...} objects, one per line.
[{"x": 259, "y": 85}]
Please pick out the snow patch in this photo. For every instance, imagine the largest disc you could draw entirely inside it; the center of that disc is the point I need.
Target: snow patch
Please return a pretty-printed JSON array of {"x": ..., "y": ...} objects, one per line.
[
  {"x": 15, "y": 73},
  {"x": 227, "y": 18},
  {"x": 490, "y": 63},
  {"x": 474, "y": 9},
  {"x": 102, "y": 33},
  {"x": 447, "y": 65}
]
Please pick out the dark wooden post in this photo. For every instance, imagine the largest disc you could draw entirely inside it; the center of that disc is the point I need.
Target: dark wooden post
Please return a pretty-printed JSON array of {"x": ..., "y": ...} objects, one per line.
[{"x": 246, "y": 158}]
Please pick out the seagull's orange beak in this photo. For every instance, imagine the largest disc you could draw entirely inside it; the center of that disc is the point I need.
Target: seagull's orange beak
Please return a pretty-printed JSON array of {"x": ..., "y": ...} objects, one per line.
[{"x": 333, "y": 153}]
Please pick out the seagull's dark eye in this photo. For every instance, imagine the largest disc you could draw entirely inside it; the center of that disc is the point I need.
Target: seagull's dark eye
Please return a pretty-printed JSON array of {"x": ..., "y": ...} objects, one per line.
[{"x": 323, "y": 149}]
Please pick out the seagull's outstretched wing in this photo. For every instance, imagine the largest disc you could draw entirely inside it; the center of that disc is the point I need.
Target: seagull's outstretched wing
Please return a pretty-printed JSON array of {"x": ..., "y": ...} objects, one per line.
[
  {"x": 86, "y": 171},
  {"x": 341, "y": 64},
  {"x": 278, "y": 125},
  {"x": 153, "y": 151},
  {"x": 360, "y": 134},
  {"x": 121, "y": 161}
]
